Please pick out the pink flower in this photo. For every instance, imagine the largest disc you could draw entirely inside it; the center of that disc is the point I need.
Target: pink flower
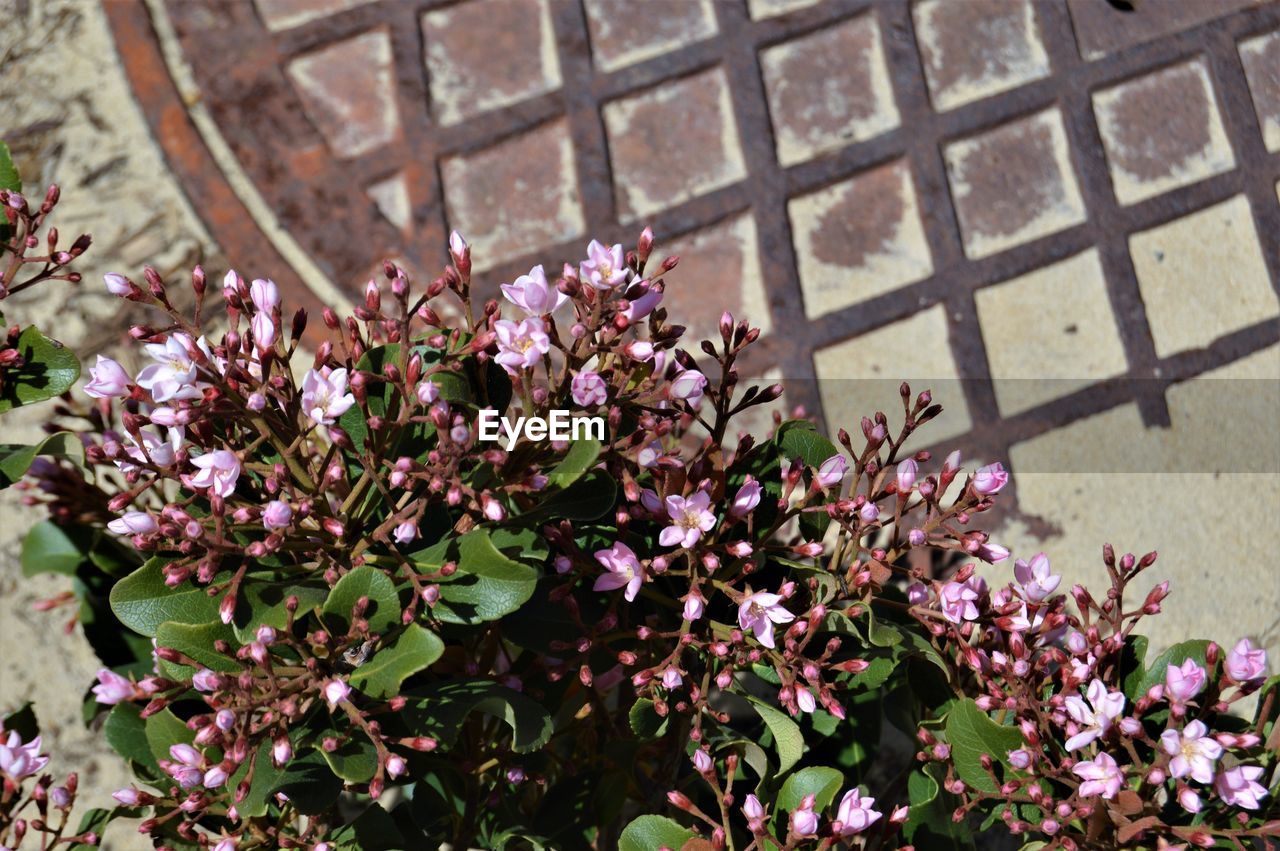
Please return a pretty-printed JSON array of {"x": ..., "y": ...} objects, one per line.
[
  {"x": 907, "y": 472},
  {"x": 689, "y": 519},
  {"x": 277, "y": 514},
  {"x": 113, "y": 688},
  {"x": 428, "y": 391},
  {"x": 219, "y": 471},
  {"x": 128, "y": 796},
  {"x": 1189, "y": 800},
  {"x": 1034, "y": 579},
  {"x": 335, "y": 692},
  {"x": 405, "y": 532},
  {"x": 1193, "y": 752},
  {"x": 702, "y": 761},
  {"x": 215, "y": 777},
  {"x": 804, "y": 821},
  {"x": 204, "y": 680},
  {"x": 805, "y": 699},
  {"x": 1094, "y": 717},
  {"x": 604, "y": 268},
  {"x": 264, "y": 331},
  {"x": 109, "y": 380},
  {"x": 639, "y": 308},
  {"x": 990, "y": 479},
  {"x": 589, "y": 389},
  {"x": 117, "y": 284},
  {"x": 671, "y": 678},
  {"x": 958, "y": 601},
  {"x": 520, "y": 345},
  {"x": 752, "y": 809},
  {"x": 225, "y": 844},
  {"x": 1239, "y": 787},
  {"x": 1020, "y": 758},
  {"x": 917, "y": 594},
  {"x": 694, "y": 606},
  {"x": 1245, "y": 662},
  {"x": 134, "y": 523},
  {"x": 533, "y": 294},
  {"x": 186, "y": 767},
  {"x": 747, "y": 498},
  {"x": 991, "y": 553},
  {"x": 264, "y": 294},
  {"x": 855, "y": 813},
  {"x": 832, "y": 471},
  {"x": 281, "y": 751},
  {"x": 623, "y": 570},
  {"x": 689, "y": 385},
  {"x": 1101, "y": 776},
  {"x": 325, "y": 396},
  {"x": 19, "y": 759},
  {"x": 759, "y": 611},
  {"x": 1185, "y": 681}
]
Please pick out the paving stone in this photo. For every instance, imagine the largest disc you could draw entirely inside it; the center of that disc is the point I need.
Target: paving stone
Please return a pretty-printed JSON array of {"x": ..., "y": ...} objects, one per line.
[
  {"x": 1261, "y": 59},
  {"x": 486, "y": 54},
  {"x": 858, "y": 377},
  {"x": 1102, "y": 28},
  {"x": 1202, "y": 276},
  {"x": 283, "y": 14},
  {"x": 722, "y": 259},
  {"x": 516, "y": 196},
  {"x": 829, "y": 89},
  {"x": 1162, "y": 131},
  {"x": 348, "y": 92},
  {"x": 1050, "y": 332},
  {"x": 673, "y": 143},
  {"x": 978, "y": 48},
  {"x": 624, "y": 32},
  {"x": 769, "y": 8},
  {"x": 1013, "y": 184},
  {"x": 859, "y": 239},
  {"x": 392, "y": 198}
]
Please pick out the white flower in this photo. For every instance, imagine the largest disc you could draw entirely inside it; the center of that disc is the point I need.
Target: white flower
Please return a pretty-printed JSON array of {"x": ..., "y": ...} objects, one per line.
[
  {"x": 604, "y": 268},
  {"x": 173, "y": 375},
  {"x": 759, "y": 611},
  {"x": 520, "y": 345},
  {"x": 1094, "y": 717},
  {"x": 325, "y": 396}
]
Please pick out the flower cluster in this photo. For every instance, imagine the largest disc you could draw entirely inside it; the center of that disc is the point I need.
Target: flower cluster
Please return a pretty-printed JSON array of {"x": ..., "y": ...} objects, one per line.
[
  {"x": 313, "y": 582},
  {"x": 34, "y": 812}
]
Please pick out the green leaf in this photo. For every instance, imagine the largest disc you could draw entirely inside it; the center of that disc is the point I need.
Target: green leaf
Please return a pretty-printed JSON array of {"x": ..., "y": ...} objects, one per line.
[
  {"x": 307, "y": 780},
  {"x": 581, "y": 455},
  {"x": 383, "y": 612},
  {"x": 49, "y": 369},
  {"x": 1156, "y": 672},
  {"x": 589, "y": 498},
  {"x": 800, "y": 439},
  {"x": 142, "y": 601},
  {"x": 788, "y": 741},
  {"x": 414, "y": 650},
  {"x": 816, "y": 780},
  {"x": 163, "y": 730},
  {"x": 355, "y": 760},
  {"x": 126, "y": 731},
  {"x": 196, "y": 641},
  {"x": 263, "y": 603},
  {"x": 22, "y": 721},
  {"x": 929, "y": 823},
  {"x": 646, "y": 723},
  {"x": 1132, "y": 671},
  {"x": 50, "y": 548},
  {"x": 649, "y": 833},
  {"x": 374, "y": 830},
  {"x": 93, "y": 821},
  {"x": 972, "y": 734},
  {"x": 9, "y": 177},
  {"x": 441, "y": 709},
  {"x": 16, "y": 458},
  {"x": 486, "y": 585}
]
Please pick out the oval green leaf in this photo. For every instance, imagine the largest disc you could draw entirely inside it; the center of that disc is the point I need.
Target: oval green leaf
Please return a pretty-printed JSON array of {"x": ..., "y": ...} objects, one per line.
[{"x": 142, "y": 601}]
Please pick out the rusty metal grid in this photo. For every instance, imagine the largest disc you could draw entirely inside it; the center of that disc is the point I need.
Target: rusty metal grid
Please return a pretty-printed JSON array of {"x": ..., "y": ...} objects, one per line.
[{"x": 920, "y": 138}]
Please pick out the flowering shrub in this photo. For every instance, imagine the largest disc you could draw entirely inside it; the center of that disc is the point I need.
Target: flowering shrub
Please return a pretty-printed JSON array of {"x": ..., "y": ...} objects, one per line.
[{"x": 332, "y": 616}]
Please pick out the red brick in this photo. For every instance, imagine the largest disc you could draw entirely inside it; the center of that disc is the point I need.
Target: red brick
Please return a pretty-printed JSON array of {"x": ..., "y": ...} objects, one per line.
[{"x": 348, "y": 91}]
